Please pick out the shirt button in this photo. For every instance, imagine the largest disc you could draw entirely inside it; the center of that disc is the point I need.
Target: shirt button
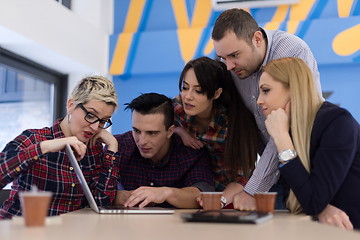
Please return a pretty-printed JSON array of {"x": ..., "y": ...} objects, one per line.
[
  {"x": 69, "y": 203},
  {"x": 253, "y": 97},
  {"x": 17, "y": 169},
  {"x": 151, "y": 184},
  {"x": 36, "y": 158},
  {"x": 73, "y": 184},
  {"x": 71, "y": 168},
  {"x": 109, "y": 170},
  {"x": 107, "y": 156},
  {"x": 113, "y": 158}
]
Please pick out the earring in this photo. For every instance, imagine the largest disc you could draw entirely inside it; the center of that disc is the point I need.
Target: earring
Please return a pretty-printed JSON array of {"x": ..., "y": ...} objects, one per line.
[{"x": 69, "y": 118}]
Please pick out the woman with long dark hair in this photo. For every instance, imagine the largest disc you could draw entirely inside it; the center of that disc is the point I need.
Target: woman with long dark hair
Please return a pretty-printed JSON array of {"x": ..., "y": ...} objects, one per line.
[{"x": 210, "y": 112}]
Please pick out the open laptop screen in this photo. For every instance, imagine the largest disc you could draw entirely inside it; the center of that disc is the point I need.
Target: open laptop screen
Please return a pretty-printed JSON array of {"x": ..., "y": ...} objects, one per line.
[{"x": 108, "y": 209}]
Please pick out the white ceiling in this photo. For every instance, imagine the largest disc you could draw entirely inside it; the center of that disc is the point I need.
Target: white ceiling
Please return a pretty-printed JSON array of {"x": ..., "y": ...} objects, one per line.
[{"x": 27, "y": 48}]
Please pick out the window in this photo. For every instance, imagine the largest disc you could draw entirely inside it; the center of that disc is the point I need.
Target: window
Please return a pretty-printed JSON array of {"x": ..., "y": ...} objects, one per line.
[{"x": 31, "y": 96}]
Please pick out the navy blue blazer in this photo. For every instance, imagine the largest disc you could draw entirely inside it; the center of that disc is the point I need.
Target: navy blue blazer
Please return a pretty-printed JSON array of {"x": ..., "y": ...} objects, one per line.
[{"x": 335, "y": 165}]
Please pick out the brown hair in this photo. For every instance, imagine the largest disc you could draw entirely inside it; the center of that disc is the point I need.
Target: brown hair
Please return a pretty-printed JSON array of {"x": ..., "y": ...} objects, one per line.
[
  {"x": 241, "y": 144},
  {"x": 237, "y": 20}
]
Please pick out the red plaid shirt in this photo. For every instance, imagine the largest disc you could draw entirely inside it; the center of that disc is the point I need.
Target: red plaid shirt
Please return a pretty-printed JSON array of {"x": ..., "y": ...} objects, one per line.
[
  {"x": 214, "y": 139},
  {"x": 182, "y": 166},
  {"x": 24, "y": 164}
]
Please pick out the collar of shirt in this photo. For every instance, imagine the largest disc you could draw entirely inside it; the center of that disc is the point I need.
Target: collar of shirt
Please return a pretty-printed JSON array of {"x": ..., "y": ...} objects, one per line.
[
  {"x": 217, "y": 128},
  {"x": 217, "y": 120},
  {"x": 56, "y": 129},
  {"x": 268, "y": 36}
]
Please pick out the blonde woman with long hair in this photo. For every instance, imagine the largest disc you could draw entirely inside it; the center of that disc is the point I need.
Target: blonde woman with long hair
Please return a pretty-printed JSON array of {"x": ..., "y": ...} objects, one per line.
[{"x": 318, "y": 143}]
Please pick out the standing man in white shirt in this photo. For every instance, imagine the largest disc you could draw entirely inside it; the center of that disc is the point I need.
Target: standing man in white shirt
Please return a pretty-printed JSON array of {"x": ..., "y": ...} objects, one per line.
[{"x": 245, "y": 47}]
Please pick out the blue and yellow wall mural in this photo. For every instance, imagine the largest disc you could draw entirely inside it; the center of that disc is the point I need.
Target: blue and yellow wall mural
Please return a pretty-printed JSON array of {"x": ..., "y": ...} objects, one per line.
[{"x": 153, "y": 39}]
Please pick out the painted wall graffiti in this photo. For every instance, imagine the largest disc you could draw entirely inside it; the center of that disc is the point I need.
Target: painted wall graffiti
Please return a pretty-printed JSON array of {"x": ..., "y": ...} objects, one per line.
[{"x": 153, "y": 39}]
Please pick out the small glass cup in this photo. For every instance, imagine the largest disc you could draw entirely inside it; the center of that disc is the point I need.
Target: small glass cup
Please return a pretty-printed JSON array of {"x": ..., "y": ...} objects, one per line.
[
  {"x": 265, "y": 201},
  {"x": 211, "y": 200},
  {"x": 35, "y": 206}
]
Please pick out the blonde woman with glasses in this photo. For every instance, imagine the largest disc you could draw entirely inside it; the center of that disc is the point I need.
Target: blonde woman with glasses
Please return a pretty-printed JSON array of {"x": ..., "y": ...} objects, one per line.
[
  {"x": 37, "y": 156},
  {"x": 318, "y": 144}
]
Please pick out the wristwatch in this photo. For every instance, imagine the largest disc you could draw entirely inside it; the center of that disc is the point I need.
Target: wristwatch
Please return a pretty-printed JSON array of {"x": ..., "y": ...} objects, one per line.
[
  {"x": 286, "y": 155},
  {"x": 223, "y": 201}
]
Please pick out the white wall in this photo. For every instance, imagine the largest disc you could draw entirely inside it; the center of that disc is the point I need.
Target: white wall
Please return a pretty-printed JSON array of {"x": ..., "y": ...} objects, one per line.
[{"x": 73, "y": 42}]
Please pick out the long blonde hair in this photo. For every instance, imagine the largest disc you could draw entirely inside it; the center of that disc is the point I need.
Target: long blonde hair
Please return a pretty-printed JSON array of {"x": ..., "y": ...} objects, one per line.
[{"x": 305, "y": 103}]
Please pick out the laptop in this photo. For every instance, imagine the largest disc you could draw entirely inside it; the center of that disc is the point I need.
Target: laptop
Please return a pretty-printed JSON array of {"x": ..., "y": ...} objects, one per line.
[
  {"x": 109, "y": 209},
  {"x": 227, "y": 216}
]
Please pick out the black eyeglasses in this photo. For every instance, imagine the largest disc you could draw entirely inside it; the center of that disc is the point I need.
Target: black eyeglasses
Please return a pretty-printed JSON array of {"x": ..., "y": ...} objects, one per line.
[{"x": 91, "y": 118}]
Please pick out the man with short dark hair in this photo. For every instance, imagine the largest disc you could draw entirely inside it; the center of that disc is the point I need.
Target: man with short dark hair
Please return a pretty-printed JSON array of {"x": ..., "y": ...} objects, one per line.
[
  {"x": 155, "y": 166},
  {"x": 245, "y": 47}
]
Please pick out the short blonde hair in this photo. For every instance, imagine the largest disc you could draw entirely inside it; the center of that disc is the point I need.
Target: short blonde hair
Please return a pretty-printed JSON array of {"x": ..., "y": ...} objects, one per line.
[
  {"x": 95, "y": 88},
  {"x": 296, "y": 76}
]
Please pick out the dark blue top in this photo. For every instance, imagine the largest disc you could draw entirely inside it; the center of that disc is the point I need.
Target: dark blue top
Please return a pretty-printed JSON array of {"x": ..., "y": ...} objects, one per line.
[{"x": 334, "y": 177}]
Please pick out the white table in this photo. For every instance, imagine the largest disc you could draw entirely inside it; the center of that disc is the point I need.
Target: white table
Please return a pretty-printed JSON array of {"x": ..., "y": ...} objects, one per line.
[{"x": 86, "y": 224}]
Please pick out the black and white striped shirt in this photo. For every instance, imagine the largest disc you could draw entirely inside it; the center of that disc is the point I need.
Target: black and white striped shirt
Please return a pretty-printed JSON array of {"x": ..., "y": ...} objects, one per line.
[{"x": 280, "y": 44}]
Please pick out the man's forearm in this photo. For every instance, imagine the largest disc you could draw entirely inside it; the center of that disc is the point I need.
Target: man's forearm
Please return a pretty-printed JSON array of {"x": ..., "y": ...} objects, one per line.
[
  {"x": 232, "y": 189},
  {"x": 183, "y": 197},
  {"x": 266, "y": 173},
  {"x": 121, "y": 197}
]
